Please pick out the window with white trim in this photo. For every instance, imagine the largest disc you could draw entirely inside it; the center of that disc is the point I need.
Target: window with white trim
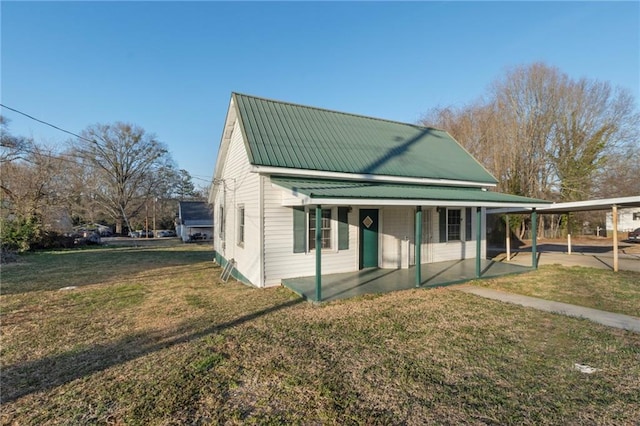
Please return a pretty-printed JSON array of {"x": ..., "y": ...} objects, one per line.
[
  {"x": 454, "y": 225},
  {"x": 241, "y": 225},
  {"x": 221, "y": 221},
  {"x": 335, "y": 228},
  {"x": 325, "y": 230}
]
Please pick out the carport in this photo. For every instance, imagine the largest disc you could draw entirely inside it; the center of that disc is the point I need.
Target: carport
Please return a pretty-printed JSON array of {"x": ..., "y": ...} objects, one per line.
[{"x": 576, "y": 206}]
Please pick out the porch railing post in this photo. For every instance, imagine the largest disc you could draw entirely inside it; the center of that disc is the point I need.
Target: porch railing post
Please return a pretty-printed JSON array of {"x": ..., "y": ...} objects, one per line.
[
  {"x": 418, "y": 241},
  {"x": 534, "y": 239},
  {"x": 478, "y": 240},
  {"x": 318, "y": 253}
]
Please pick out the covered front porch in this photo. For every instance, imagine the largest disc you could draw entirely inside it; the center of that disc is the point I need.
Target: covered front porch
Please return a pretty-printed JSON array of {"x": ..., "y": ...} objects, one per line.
[{"x": 377, "y": 280}]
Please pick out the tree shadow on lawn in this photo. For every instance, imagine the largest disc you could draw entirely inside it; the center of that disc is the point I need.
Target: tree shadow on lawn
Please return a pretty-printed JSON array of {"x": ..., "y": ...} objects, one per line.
[
  {"x": 47, "y": 373},
  {"x": 87, "y": 267}
]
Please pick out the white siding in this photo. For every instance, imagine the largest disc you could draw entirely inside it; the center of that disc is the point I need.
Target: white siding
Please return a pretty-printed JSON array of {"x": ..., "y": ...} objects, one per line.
[
  {"x": 279, "y": 259},
  {"x": 426, "y": 250},
  {"x": 398, "y": 245},
  {"x": 453, "y": 250},
  {"x": 626, "y": 222},
  {"x": 239, "y": 188}
]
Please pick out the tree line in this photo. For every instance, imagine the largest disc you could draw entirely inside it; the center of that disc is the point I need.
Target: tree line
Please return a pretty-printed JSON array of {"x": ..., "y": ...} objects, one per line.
[
  {"x": 545, "y": 135},
  {"x": 541, "y": 133},
  {"x": 114, "y": 174}
]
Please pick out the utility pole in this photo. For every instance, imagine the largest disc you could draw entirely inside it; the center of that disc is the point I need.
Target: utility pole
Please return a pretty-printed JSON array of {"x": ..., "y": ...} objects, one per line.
[{"x": 155, "y": 199}]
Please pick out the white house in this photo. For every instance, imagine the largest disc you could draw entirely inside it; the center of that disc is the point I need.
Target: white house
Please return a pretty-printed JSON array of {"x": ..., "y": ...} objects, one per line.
[
  {"x": 379, "y": 193},
  {"x": 628, "y": 220}
]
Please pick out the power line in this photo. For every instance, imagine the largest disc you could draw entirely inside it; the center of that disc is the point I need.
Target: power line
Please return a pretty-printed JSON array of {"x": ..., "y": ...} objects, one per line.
[
  {"x": 72, "y": 134},
  {"x": 45, "y": 123}
]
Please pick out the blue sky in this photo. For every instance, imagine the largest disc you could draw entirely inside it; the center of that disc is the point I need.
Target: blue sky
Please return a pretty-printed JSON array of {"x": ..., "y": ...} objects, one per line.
[{"x": 170, "y": 67}]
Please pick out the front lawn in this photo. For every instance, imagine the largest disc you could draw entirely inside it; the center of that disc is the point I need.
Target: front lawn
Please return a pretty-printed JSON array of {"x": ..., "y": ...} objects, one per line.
[
  {"x": 157, "y": 338},
  {"x": 594, "y": 288}
]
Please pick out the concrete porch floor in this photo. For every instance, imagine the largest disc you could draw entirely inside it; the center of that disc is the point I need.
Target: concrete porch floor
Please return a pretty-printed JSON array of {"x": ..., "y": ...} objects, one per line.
[{"x": 376, "y": 280}]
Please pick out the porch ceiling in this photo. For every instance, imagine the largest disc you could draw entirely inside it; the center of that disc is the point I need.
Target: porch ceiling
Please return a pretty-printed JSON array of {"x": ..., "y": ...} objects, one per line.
[{"x": 303, "y": 191}]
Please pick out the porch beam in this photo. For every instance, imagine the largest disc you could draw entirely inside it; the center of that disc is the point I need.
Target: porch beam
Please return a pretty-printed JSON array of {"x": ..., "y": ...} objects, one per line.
[
  {"x": 534, "y": 239},
  {"x": 478, "y": 240},
  {"x": 318, "y": 253},
  {"x": 418, "y": 243}
]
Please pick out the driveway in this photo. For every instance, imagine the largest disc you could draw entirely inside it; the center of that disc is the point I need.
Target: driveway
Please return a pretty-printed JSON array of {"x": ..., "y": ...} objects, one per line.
[{"x": 589, "y": 255}]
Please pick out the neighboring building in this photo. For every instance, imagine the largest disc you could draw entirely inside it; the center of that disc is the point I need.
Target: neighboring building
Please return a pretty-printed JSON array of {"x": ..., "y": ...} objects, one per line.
[
  {"x": 628, "y": 220},
  {"x": 379, "y": 186},
  {"x": 194, "y": 217}
]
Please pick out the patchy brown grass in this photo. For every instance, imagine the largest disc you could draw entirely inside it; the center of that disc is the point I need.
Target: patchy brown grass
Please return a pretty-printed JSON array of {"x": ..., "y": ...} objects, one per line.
[
  {"x": 594, "y": 288},
  {"x": 168, "y": 345}
]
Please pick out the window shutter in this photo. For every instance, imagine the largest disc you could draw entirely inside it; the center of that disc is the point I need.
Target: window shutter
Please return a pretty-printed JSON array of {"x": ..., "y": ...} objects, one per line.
[
  {"x": 343, "y": 228},
  {"x": 442, "y": 223},
  {"x": 299, "y": 230},
  {"x": 467, "y": 225}
]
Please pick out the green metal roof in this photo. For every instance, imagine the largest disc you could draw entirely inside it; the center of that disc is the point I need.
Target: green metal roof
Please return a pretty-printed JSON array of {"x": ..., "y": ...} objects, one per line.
[
  {"x": 341, "y": 189},
  {"x": 280, "y": 134}
]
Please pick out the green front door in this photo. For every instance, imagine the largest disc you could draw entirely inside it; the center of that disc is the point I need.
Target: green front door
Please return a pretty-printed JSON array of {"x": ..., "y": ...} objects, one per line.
[{"x": 368, "y": 238}]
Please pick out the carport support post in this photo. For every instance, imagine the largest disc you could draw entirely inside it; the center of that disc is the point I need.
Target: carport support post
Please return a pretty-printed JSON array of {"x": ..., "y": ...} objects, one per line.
[
  {"x": 508, "y": 238},
  {"x": 478, "y": 239},
  {"x": 418, "y": 245},
  {"x": 318, "y": 253},
  {"x": 614, "y": 217},
  {"x": 534, "y": 238}
]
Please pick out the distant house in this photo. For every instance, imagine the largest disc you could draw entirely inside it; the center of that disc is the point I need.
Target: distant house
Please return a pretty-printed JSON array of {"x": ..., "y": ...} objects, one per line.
[
  {"x": 370, "y": 193},
  {"x": 628, "y": 220},
  {"x": 194, "y": 217}
]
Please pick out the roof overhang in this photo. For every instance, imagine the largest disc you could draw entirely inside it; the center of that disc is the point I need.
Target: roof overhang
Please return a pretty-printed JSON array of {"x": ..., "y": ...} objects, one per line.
[
  {"x": 576, "y": 206},
  {"x": 304, "y": 191},
  {"x": 369, "y": 177}
]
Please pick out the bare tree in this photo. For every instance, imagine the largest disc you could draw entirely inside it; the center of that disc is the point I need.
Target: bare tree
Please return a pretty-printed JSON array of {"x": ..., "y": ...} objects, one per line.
[
  {"x": 32, "y": 188},
  {"x": 126, "y": 163},
  {"x": 545, "y": 135}
]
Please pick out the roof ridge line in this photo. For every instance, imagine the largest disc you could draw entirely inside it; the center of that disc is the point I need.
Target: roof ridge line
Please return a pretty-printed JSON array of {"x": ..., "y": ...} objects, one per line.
[{"x": 336, "y": 111}]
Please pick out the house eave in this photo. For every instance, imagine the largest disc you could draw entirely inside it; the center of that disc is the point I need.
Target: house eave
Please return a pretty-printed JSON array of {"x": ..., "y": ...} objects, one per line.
[
  {"x": 283, "y": 171},
  {"x": 306, "y": 201}
]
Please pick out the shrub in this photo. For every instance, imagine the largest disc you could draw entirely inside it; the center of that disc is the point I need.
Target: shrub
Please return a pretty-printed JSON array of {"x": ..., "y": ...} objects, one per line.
[{"x": 19, "y": 234}]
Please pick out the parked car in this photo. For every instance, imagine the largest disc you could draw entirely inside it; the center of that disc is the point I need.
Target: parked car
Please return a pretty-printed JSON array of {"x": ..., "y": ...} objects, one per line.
[
  {"x": 198, "y": 236},
  {"x": 134, "y": 234},
  {"x": 634, "y": 235},
  {"x": 86, "y": 237},
  {"x": 166, "y": 233}
]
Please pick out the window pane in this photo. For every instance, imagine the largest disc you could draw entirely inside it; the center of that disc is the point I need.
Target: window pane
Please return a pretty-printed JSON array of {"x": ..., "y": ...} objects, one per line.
[
  {"x": 325, "y": 230},
  {"x": 241, "y": 225},
  {"x": 453, "y": 225}
]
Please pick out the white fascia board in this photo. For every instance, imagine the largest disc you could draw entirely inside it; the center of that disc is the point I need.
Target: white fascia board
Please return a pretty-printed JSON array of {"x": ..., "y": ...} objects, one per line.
[
  {"x": 589, "y": 205},
  {"x": 407, "y": 202},
  {"x": 303, "y": 200},
  {"x": 292, "y": 199},
  {"x": 282, "y": 171},
  {"x": 605, "y": 202},
  {"x": 223, "y": 149}
]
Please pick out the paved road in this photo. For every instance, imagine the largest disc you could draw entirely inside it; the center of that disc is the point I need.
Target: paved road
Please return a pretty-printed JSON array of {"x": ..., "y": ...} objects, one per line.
[{"x": 625, "y": 322}]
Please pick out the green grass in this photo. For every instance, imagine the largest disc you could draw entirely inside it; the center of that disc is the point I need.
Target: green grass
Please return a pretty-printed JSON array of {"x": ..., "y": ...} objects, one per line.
[
  {"x": 172, "y": 344},
  {"x": 594, "y": 288}
]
